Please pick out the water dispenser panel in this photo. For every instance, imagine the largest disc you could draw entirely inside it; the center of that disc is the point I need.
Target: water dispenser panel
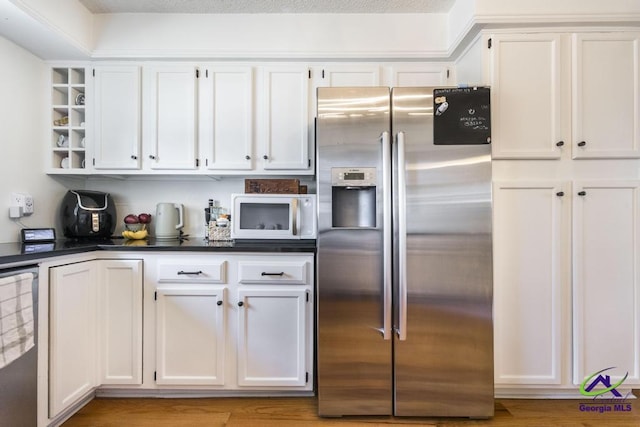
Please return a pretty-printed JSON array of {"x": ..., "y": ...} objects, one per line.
[
  {"x": 353, "y": 197},
  {"x": 353, "y": 177}
]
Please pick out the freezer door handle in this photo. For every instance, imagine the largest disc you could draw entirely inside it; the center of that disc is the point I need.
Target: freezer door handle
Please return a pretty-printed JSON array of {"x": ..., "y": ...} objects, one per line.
[
  {"x": 402, "y": 239},
  {"x": 387, "y": 234}
]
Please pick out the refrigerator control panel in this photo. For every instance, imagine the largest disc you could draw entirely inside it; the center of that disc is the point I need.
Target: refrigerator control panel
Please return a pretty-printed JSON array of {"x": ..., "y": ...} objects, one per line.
[{"x": 353, "y": 177}]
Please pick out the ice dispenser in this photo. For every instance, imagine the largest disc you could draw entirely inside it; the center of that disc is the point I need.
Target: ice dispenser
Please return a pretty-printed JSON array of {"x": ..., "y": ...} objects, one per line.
[{"x": 353, "y": 197}]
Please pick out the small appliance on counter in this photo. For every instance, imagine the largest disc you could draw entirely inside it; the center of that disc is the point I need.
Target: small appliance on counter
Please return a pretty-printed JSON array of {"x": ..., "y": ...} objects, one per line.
[
  {"x": 87, "y": 214},
  {"x": 169, "y": 221},
  {"x": 273, "y": 216}
]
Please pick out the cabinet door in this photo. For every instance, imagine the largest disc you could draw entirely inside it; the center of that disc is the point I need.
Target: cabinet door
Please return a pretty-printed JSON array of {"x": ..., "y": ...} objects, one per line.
[
  {"x": 271, "y": 340},
  {"x": 120, "y": 323},
  {"x": 606, "y": 275},
  {"x": 116, "y": 138},
  {"x": 531, "y": 256},
  {"x": 350, "y": 75},
  {"x": 228, "y": 118},
  {"x": 284, "y": 134},
  {"x": 418, "y": 75},
  {"x": 606, "y": 95},
  {"x": 170, "y": 116},
  {"x": 526, "y": 99},
  {"x": 190, "y": 340},
  {"x": 72, "y": 334}
]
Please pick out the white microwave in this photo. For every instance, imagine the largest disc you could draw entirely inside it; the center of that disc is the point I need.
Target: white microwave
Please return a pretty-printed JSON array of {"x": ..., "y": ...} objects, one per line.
[{"x": 273, "y": 216}]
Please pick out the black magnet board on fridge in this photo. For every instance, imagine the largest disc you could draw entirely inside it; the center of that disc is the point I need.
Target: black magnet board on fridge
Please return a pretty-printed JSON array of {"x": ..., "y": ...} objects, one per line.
[{"x": 462, "y": 116}]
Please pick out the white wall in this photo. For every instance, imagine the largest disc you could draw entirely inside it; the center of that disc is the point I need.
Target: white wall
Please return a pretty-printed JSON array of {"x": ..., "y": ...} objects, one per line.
[
  {"x": 271, "y": 35},
  {"x": 469, "y": 65},
  {"x": 23, "y": 79},
  {"x": 137, "y": 195}
]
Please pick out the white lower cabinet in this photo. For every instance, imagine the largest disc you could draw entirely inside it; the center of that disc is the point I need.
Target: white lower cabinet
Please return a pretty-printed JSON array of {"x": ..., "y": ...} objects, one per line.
[
  {"x": 530, "y": 283},
  {"x": 190, "y": 335},
  {"x": 272, "y": 337},
  {"x": 567, "y": 283},
  {"x": 234, "y": 322},
  {"x": 72, "y": 334},
  {"x": 120, "y": 321},
  {"x": 606, "y": 274},
  {"x": 95, "y": 328}
]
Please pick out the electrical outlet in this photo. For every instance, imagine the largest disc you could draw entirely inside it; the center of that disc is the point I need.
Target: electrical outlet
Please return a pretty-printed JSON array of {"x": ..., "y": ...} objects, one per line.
[
  {"x": 23, "y": 201},
  {"x": 28, "y": 204}
]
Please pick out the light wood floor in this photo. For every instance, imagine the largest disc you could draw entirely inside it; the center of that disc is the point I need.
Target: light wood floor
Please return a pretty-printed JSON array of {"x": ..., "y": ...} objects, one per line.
[{"x": 302, "y": 412}]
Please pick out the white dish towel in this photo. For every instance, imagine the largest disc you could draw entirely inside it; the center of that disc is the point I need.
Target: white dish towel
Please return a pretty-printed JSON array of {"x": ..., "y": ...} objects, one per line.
[{"x": 16, "y": 317}]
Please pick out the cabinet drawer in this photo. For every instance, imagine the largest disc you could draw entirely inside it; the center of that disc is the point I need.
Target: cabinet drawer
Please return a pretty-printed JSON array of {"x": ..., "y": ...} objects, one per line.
[
  {"x": 192, "y": 271},
  {"x": 286, "y": 272}
]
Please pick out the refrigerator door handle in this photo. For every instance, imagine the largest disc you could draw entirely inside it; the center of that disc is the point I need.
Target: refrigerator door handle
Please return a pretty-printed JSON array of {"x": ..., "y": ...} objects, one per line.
[
  {"x": 402, "y": 239},
  {"x": 387, "y": 234}
]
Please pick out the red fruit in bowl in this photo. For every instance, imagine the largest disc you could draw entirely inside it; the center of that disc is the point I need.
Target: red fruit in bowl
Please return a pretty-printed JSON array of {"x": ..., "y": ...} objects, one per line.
[
  {"x": 131, "y": 219},
  {"x": 144, "y": 218}
]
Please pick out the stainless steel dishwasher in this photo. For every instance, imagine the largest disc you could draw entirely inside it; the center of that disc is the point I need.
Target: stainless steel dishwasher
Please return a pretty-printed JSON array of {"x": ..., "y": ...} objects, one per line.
[{"x": 18, "y": 379}]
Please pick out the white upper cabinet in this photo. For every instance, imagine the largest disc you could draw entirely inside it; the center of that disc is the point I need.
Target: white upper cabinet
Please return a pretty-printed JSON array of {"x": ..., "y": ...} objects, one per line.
[
  {"x": 170, "y": 116},
  {"x": 227, "y": 118},
  {"x": 117, "y": 125},
  {"x": 283, "y": 135},
  {"x": 606, "y": 95},
  {"x": 555, "y": 92},
  {"x": 526, "y": 97},
  {"x": 419, "y": 75},
  {"x": 348, "y": 75}
]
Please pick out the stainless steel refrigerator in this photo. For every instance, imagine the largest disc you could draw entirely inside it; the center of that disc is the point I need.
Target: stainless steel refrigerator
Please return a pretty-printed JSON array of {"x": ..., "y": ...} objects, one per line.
[{"x": 404, "y": 259}]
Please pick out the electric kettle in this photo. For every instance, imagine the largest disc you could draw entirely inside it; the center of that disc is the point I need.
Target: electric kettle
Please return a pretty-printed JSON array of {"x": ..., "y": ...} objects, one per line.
[{"x": 168, "y": 220}]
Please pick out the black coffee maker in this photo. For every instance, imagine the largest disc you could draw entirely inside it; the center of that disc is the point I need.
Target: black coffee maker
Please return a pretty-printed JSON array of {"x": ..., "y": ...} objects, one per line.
[{"x": 87, "y": 214}]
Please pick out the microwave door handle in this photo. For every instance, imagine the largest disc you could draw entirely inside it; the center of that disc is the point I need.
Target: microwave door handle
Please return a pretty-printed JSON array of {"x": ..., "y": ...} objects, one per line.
[{"x": 295, "y": 216}]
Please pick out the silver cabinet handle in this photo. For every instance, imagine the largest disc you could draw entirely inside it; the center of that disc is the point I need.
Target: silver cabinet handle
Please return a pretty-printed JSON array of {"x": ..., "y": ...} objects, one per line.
[
  {"x": 386, "y": 235},
  {"x": 295, "y": 216},
  {"x": 181, "y": 272},
  {"x": 402, "y": 239},
  {"x": 264, "y": 273}
]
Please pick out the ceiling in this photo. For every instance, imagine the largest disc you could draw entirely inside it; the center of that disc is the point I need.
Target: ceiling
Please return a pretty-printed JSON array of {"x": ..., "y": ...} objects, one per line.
[{"x": 268, "y": 6}]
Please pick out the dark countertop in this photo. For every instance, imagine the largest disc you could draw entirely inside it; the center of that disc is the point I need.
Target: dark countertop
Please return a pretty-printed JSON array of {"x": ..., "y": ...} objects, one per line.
[{"x": 11, "y": 253}]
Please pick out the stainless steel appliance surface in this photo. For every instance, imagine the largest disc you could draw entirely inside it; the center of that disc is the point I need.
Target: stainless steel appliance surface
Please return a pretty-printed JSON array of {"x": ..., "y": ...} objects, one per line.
[
  {"x": 273, "y": 216},
  {"x": 404, "y": 256},
  {"x": 18, "y": 379}
]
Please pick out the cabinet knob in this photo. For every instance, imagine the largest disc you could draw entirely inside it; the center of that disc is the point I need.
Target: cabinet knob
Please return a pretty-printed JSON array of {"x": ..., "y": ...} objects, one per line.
[
  {"x": 247, "y": 157},
  {"x": 152, "y": 157},
  {"x": 582, "y": 193},
  {"x": 582, "y": 143},
  {"x": 240, "y": 303},
  {"x": 559, "y": 143},
  {"x": 134, "y": 157},
  {"x": 219, "y": 303},
  {"x": 265, "y": 157},
  {"x": 560, "y": 193}
]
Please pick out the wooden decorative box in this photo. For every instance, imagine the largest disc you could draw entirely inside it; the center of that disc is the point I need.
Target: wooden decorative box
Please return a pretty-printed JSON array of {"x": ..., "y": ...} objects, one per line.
[{"x": 277, "y": 186}]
